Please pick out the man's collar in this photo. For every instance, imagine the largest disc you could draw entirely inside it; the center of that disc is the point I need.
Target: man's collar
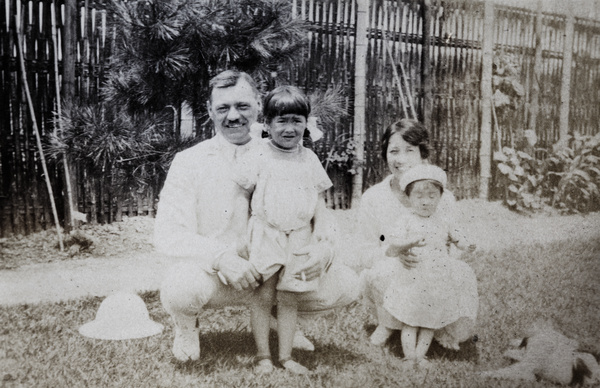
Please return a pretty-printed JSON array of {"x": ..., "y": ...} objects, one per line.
[{"x": 222, "y": 145}]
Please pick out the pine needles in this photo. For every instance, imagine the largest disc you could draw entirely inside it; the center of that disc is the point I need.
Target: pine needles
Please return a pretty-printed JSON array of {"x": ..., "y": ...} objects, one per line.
[{"x": 165, "y": 52}]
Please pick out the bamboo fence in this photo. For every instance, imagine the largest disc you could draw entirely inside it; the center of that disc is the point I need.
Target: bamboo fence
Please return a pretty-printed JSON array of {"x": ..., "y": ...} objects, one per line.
[{"x": 438, "y": 48}]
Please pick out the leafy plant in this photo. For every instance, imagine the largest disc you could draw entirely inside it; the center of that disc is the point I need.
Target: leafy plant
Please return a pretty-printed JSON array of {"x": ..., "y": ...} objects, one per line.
[
  {"x": 328, "y": 106},
  {"x": 574, "y": 166},
  {"x": 522, "y": 178},
  {"x": 125, "y": 151},
  {"x": 568, "y": 179},
  {"x": 507, "y": 87},
  {"x": 342, "y": 155}
]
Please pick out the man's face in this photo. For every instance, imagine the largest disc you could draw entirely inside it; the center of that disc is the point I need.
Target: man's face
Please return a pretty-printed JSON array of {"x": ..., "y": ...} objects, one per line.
[{"x": 233, "y": 110}]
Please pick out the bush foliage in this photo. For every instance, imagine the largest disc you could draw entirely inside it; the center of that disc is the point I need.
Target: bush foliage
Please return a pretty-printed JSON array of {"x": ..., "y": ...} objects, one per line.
[
  {"x": 568, "y": 178},
  {"x": 163, "y": 54}
]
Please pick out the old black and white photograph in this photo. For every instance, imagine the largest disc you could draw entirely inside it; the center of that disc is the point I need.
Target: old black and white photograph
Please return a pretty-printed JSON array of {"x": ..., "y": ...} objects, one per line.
[{"x": 299, "y": 193}]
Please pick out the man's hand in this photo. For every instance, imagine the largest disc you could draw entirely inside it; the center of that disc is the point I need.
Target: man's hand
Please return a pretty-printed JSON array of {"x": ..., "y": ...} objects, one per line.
[
  {"x": 319, "y": 256},
  {"x": 238, "y": 272}
]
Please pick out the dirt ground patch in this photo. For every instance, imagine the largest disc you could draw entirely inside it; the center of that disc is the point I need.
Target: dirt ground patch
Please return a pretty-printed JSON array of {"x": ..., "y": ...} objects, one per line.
[
  {"x": 32, "y": 269},
  {"x": 131, "y": 236},
  {"x": 489, "y": 224}
]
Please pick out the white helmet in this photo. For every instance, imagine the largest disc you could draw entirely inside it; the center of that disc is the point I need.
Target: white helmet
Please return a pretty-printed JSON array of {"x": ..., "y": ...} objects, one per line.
[{"x": 122, "y": 315}]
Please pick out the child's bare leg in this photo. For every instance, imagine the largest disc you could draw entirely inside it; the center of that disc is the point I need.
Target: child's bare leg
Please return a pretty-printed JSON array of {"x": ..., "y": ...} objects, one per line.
[
  {"x": 423, "y": 342},
  {"x": 300, "y": 341},
  {"x": 287, "y": 314},
  {"x": 409, "y": 342},
  {"x": 259, "y": 319}
]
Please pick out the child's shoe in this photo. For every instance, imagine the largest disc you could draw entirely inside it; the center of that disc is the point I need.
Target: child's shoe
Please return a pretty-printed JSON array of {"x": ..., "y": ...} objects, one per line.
[
  {"x": 264, "y": 365},
  {"x": 293, "y": 366}
]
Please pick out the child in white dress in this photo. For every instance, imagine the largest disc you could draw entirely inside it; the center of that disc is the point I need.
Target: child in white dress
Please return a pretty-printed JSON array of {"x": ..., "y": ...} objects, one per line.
[
  {"x": 287, "y": 182},
  {"x": 434, "y": 297}
]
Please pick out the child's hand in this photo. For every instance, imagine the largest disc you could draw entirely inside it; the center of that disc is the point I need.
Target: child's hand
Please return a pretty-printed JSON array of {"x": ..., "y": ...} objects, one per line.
[
  {"x": 418, "y": 242},
  {"x": 402, "y": 248}
]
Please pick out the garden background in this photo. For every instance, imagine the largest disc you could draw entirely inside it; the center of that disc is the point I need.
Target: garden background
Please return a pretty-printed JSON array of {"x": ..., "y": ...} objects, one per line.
[{"x": 488, "y": 74}]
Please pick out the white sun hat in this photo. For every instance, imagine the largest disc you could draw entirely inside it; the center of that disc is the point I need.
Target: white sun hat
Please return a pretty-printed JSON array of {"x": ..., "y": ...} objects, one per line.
[
  {"x": 122, "y": 315},
  {"x": 422, "y": 172}
]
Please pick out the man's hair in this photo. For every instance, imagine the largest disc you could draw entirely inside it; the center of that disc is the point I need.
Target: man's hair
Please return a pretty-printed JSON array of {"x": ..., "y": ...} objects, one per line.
[
  {"x": 230, "y": 78},
  {"x": 285, "y": 100},
  {"x": 412, "y": 131}
]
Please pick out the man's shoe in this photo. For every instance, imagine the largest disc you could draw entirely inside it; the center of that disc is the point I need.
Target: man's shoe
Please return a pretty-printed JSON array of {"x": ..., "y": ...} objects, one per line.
[
  {"x": 380, "y": 335},
  {"x": 186, "y": 345}
]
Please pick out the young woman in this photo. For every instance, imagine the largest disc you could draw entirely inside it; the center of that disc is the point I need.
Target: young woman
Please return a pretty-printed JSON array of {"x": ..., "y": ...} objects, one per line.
[{"x": 404, "y": 144}]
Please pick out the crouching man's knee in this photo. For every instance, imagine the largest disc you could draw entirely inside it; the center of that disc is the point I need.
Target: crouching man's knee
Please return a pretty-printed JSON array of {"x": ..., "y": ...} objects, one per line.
[{"x": 186, "y": 289}]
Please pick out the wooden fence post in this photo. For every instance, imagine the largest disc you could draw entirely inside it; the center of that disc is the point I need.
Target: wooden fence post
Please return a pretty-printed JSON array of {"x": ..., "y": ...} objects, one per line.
[
  {"x": 426, "y": 82},
  {"x": 69, "y": 211},
  {"x": 69, "y": 36},
  {"x": 537, "y": 69},
  {"x": 565, "y": 88},
  {"x": 360, "y": 71},
  {"x": 485, "y": 139}
]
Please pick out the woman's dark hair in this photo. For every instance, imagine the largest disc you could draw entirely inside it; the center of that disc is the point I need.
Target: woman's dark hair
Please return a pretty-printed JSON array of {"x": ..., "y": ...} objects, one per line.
[
  {"x": 285, "y": 100},
  {"x": 412, "y": 131},
  {"x": 409, "y": 187}
]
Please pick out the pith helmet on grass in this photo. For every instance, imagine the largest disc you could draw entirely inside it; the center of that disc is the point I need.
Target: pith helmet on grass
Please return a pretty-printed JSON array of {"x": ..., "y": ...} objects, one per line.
[{"x": 122, "y": 315}]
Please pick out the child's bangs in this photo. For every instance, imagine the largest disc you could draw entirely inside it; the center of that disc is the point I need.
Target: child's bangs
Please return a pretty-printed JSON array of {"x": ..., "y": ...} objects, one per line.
[{"x": 288, "y": 104}]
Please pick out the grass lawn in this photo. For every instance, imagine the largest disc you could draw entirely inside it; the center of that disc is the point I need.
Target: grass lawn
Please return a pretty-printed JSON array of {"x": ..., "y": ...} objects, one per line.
[{"x": 41, "y": 347}]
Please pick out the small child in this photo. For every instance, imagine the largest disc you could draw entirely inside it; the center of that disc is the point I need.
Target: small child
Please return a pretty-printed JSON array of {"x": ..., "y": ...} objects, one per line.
[
  {"x": 438, "y": 296},
  {"x": 287, "y": 183}
]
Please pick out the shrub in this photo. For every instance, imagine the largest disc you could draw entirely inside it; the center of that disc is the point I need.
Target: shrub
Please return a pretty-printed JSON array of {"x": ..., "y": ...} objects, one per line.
[
  {"x": 521, "y": 177},
  {"x": 573, "y": 167},
  {"x": 567, "y": 179}
]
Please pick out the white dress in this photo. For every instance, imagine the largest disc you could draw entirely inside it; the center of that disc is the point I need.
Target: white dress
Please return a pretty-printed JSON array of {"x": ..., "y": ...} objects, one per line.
[
  {"x": 286, "y": 188},
  {"x": 440, "y": 290}
]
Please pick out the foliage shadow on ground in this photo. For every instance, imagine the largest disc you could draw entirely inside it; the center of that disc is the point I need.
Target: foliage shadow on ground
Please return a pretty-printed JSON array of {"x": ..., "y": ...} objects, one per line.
[{"x": 237, "y": 348}]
